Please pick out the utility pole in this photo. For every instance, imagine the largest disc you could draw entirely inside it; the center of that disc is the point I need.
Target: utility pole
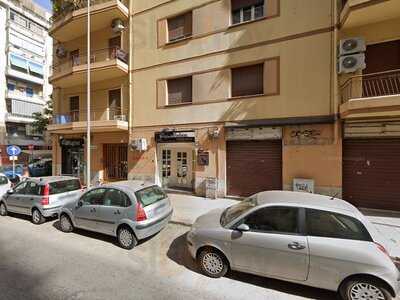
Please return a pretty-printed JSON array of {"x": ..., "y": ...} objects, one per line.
[{"x": 88, "y": 157}]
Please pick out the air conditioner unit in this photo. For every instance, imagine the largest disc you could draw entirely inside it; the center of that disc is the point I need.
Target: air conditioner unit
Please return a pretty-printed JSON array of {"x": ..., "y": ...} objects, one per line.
[
  {"x": 117, "y": 25},
  {"x": 61, "y": 52},
  {"x": 120, "y": 117},
  {"x": 351, "y": 46},
  {"x": 351, "y": 63},
  {"x": 139, "y": 144}
]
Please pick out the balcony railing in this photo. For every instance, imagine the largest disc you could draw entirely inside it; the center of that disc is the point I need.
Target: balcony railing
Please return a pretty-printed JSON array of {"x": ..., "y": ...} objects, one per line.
[
  {"x": 95, "y": 56},
  {"x": 62, "y": 8},
  {"x": 371, "y": 85},
  {"x": 106, "y": 114}
]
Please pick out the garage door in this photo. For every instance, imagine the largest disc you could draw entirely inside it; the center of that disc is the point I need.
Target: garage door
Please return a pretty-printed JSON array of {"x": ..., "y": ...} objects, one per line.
[
  {"x": 371, "y": 173},
  {"x": 253, "y": 166}
]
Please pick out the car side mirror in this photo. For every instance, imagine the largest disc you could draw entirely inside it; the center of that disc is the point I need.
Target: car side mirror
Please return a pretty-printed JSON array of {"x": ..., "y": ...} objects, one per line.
[
  {"x": 243, "y": 227},
  {"x": 80, "y": 203},
  {"x": 10, "y": 191}
]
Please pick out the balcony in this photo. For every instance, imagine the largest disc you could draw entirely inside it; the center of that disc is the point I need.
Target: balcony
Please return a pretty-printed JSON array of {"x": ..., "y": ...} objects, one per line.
[
  {"x": 23, "y": 96},
  {"x": 102, "y": 120},
  {"x": 70, "y": 21},
  {"x": 357, "y": 13},
  {"x": 105, "y": 64},
  {"x": 375, "y": 95}
]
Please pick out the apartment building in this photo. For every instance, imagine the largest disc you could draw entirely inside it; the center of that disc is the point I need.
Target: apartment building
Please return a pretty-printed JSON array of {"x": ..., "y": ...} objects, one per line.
[
  {"x": 24, "y": 89},
  {"x": 110, "y": 84},
  {"x": 370, "y": 105},
  {"x": 231, "y": 97}
]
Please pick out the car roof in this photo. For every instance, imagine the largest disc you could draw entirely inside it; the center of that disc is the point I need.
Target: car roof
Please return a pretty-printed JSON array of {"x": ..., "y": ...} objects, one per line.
[
  {"x": 49, "y": 179},
  {"x": 306, "y": 200},
  {"x": 129, "y": 185}
]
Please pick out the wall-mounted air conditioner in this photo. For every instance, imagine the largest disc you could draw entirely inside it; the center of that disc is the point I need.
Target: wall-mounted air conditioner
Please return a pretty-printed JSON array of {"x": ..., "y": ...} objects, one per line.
[
  {"x": 351, "y": 63},
  {"x": 351, "y": 46},
  {"x": 139, "y": 144},
  {"x": 117, "y": 25}
]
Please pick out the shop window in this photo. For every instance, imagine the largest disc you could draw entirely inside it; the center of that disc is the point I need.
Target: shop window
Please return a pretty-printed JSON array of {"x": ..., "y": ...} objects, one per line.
[
  {"x": 248, "y": 80},
  {"x": 180, "y": 27},
  {"x": 247, "y": 10},
  {"x": 180, "y": 90}
]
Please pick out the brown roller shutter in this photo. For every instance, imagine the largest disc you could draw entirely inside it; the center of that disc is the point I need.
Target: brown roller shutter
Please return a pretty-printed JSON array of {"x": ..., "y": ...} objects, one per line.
[
  {"x": 180, "y": 90},
  {"x": 248, "y": 80},
  {"x": 253, "y": 166},
  {"x": 371, "y": 173},
  {"x": 237, "y": 4}
]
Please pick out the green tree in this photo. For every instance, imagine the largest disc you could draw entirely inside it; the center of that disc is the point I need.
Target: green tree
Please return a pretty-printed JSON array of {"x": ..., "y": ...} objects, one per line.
[{"x": 43, "y": 119}]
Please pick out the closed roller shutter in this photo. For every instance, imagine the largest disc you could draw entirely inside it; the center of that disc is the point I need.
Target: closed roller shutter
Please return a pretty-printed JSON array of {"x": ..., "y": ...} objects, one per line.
[
  {"x": 371, "y": 173},
  {"x": 253, "y": 166}
]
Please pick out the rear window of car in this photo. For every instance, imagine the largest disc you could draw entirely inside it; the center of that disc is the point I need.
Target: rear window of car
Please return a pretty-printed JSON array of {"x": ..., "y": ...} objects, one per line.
[
  {"x": 150, "y": 195},
  {"x": 333, "y": 225},
  {"x": 3, "y": 180},
  {"x": 64, "y": 186}
]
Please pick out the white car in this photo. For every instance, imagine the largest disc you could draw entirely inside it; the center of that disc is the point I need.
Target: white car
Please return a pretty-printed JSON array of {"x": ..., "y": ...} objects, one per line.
[{"x": 5, "y": 184}]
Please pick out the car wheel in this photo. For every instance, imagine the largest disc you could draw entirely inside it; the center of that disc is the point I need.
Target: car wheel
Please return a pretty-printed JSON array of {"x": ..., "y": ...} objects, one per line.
[
  {"x": 126, "y": 238},
  {"x": 66, "y": 224},
  {"x": 212, "y": 263},
  {"x": 364, "y": 288},
  {"x": 37, "y": 217},
  {"x": 3, "y": 209}
]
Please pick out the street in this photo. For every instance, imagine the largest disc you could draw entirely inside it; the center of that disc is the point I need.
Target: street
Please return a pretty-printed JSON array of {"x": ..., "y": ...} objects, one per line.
[{"x": 41, "y": 262}]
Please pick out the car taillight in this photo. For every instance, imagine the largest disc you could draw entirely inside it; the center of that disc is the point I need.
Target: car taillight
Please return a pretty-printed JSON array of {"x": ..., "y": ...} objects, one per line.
[
  {"x": 45, "y": 198},
  {"x": 140, "y": 213},
  {"x": 381, "y": 248}
]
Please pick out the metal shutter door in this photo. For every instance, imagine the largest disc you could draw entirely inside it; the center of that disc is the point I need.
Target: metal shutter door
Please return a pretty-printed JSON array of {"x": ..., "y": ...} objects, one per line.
[
  {"x": 253, "y": 166},
  {"x": 371, "y": 173}
]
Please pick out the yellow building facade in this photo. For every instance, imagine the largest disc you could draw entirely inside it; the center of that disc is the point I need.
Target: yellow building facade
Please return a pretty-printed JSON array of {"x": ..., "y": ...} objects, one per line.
[{"x": 217, "y": 97}]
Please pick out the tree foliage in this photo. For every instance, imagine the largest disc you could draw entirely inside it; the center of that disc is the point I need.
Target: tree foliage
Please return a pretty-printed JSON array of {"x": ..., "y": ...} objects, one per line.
[{"x": 43, "y": 119}]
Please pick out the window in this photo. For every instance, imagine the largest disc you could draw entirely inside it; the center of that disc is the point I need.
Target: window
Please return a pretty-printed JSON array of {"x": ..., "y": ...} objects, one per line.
[
  {"x": 10, "y": 86},
  {"x": 64, "y": 186},
  {"x": 20, "y": 188},
  {"x": 332, "y": 225},
  {"x": 274, "y": 219},
  {"x": 29, "y": 92},
  {"x": 93, "y": 197},
  {"x": 117, "y": 198},
  {"x": 180, "y": 90},
  {"x": 248, "y": 80},
  {"x": 74, "y": 103},
  {"x": 18, "y": 63},
  {"x": 150, "y": 195},
  {"x": 36, "y": 69},
  {"x": 32, "y": 188},
  {"x": 234, "y": 211},
  {"x": 3, "y": 180},
  {"x": 180, "y": 27},
  {"x": 247, "y": 10}
]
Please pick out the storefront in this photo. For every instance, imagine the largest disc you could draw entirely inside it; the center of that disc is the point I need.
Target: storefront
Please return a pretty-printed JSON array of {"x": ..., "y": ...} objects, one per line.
[{"x": 72, "y": 153}]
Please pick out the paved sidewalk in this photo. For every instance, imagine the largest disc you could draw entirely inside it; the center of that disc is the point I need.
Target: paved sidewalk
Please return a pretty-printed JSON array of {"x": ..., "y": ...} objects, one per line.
[{"x": 187, "y": 208}]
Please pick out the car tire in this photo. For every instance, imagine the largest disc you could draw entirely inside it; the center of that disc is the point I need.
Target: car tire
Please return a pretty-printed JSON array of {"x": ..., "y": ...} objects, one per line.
[
  {"x": 37, "y": 217},
  {"x": 3, "y": 209},
  {"x": 126, "y": 238},
  {"x": 364, "y": 288},
  {"x": 66, "y": 223},
  {"x": 213, "y": 263}
]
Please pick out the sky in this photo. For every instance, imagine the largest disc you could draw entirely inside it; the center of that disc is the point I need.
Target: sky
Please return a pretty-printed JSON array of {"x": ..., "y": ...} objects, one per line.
[{"x": 44, "y": 3}]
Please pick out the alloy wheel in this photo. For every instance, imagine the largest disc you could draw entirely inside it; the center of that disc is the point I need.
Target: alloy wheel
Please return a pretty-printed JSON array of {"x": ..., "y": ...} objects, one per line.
[
  {"x": 366, "y": 291},
  {"x": 213, "y": 263},
  {"x": 36, "y": 216},
  {"x": 65, "y": 223},
  {"x": 125, "y": 237},
  {"x": 3, "y": 210}
]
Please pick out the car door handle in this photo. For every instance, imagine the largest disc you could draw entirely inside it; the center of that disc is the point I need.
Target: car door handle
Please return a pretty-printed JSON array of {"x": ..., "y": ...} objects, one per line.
[
  {"x": 92, "y": 210},
  {"x": 296, "y": 246},
  {"x": 117, "y": 212}
]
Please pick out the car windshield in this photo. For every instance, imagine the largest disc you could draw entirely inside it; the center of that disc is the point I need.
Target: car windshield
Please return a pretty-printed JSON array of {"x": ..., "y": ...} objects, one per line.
[
  {"x": 236, "y": 210},
  {"x": 150, "y": 195}
]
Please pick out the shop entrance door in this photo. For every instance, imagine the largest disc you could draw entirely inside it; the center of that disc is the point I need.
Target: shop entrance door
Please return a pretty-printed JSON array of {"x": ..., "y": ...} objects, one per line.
[{"x": 73, "y": 162}]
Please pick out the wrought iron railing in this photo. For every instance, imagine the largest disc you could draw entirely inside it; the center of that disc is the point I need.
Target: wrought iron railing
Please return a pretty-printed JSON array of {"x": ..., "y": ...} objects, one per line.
[
  {"x": 61, "y": 8},
  {"x": 106, "y": 114},
  {"x": 371, "y": 85},
  {"x": 95, "y": 56}
]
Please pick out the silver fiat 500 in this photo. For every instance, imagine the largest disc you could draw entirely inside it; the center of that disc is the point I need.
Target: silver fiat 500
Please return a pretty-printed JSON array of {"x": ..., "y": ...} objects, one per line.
[
  {"x": 128, "y": 210},
  {"x": 299, "y": 237}
]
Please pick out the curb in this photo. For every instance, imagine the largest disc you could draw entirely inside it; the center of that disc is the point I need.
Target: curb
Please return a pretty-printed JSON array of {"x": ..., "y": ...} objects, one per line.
[{"x": 181, "y": 223}]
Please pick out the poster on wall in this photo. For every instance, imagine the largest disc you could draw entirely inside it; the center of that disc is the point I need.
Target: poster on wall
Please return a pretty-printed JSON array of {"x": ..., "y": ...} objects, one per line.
[{"x": 303, "y": 185}]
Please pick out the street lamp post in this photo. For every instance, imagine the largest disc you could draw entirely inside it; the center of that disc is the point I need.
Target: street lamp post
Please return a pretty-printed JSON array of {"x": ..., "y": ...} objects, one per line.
[{"x": 88, "y": 99}]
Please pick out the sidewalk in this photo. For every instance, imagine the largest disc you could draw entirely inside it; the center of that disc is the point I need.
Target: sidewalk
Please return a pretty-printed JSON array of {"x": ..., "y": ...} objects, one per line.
[{"x": 187, "y": 208}]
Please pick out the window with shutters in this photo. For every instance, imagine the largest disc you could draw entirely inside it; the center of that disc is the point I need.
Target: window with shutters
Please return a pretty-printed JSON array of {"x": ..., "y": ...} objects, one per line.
[
  {"x": 180, "y": 27},
  {"x": 248, "y": 80},
  {"x": 179, "y": 90},
  {"x": 247, "y": 10}
]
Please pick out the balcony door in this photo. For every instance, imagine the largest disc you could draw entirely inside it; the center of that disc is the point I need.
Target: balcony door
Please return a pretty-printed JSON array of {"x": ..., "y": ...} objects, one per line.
[
  {"x": 114, "y": 103},
  {"x": 74, "y": 56},
  {"x": 114, "y": 44},
  {"x": 382, "y": 74},
  {"x": 74, "y": 108}
]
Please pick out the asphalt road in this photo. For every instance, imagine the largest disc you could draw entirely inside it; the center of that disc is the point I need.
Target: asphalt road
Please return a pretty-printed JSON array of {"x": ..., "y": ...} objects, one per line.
[{"x": 41, "y": 262}]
